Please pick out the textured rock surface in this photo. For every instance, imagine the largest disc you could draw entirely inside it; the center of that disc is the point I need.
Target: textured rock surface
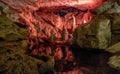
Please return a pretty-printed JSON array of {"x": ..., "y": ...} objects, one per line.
[
  {"x": 13, "y": 60},
  {"x": 9, "y": 31},
  {"x": 114, "y": 61},
  {"x": 114, "y": 48},
  {"x": 37, "y": 13},
  {"x": 109, "y": 7},
  {"x": 96, "y": 34},
  {"x": 13, "y": 47},
  {"x": 115, "y": 27},
  {"x": 32, "y": 5},
  {"x": 9, "y": 13}
]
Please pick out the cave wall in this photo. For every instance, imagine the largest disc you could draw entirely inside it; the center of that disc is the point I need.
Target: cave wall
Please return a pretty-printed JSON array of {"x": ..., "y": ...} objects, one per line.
[
  {"x": 110, "y": 35},
  {"x": 102, "y": 32},
  {"x": 86, "y": 36},
  {"x": 14, "y": 46},
  {"x": 96, "y": 34},
  {"x": 31, "y": 10}
]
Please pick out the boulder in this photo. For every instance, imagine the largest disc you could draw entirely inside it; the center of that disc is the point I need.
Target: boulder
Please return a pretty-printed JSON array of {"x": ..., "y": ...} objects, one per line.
[{"x": 96, "y": 34}]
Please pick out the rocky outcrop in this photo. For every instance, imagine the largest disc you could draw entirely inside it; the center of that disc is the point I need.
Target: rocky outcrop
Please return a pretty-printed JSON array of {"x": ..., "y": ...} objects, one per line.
[
  {"x": 33, "y": 5},
  {"x": 115, "y": 28},
  {"x": 111, "y": 9},
  {"x": 9, "y": 31},
  {"x": 8, "y": 13},
  {"x": 114, "y": 48},
  {"x": 37, "y": 13},
  {"x": 13, "y": 60},
  {"x": 96, "y": 34},
  {"x": 114, "y": 62},
  {"x": 99, "y": 33},
  {"x": 13, "y": 47}
]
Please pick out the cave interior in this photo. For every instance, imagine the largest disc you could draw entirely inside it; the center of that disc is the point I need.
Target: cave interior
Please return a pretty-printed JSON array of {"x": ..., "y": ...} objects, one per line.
[{"x": 59, "y": 37}]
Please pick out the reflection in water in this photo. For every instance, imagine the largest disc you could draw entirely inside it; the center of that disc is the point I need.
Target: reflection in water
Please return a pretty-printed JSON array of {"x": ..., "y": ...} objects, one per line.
[
  {"x": 65, "y": 59},
  {"x": 74, "y": 60},
  {"x": 88, "y": 61}
]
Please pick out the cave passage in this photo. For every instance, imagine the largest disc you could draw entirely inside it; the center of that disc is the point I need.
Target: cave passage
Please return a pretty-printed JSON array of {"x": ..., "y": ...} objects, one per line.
[
  {"x": 53, "y": 20},
  {"x": 52, "y": 23}
]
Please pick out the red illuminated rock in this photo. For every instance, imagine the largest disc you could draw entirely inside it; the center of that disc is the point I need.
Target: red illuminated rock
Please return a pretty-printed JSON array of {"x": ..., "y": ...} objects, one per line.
[
  {"x": 32, "y": 5},
  {"x": 46, "y": 16},
  {"x": 25, "y": 8}
]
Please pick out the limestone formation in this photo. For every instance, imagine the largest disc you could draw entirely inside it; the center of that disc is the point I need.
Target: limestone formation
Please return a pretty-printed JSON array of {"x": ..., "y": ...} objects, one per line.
[
  {"x": 114, "y": 62},
  {"x": 13, "y": 47},
  {"x": 96, "y": 34},
  {"x": 114, "y": 48}
]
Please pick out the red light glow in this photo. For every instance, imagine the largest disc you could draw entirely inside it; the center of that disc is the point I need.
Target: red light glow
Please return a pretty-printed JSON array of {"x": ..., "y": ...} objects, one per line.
[{"x": 54, "y": 20}]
